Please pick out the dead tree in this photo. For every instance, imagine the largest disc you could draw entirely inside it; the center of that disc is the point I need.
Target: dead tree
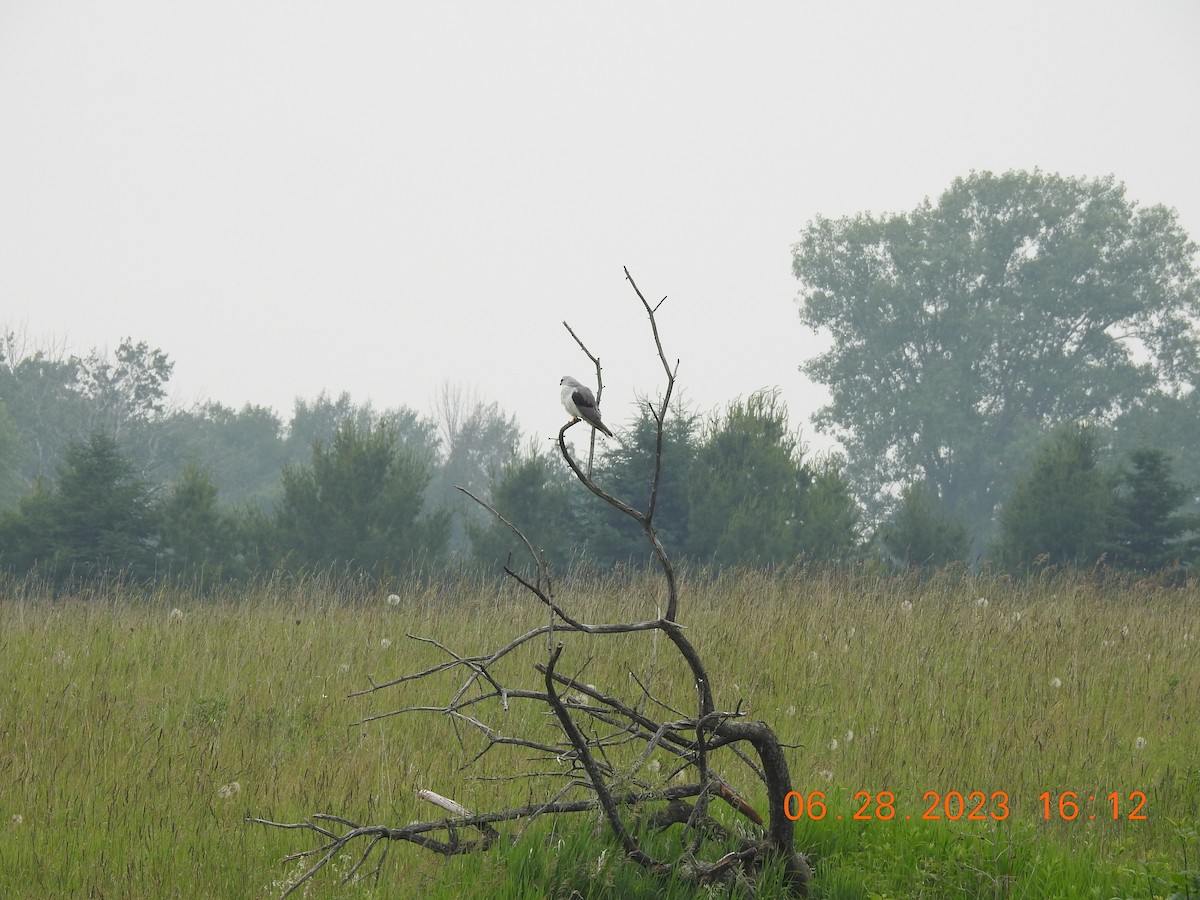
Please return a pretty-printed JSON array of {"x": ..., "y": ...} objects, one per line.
[{"x": 594, "y": 728}]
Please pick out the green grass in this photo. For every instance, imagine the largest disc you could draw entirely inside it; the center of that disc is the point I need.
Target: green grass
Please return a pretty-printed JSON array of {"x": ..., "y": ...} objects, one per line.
[{"x": 135, "y": 740}]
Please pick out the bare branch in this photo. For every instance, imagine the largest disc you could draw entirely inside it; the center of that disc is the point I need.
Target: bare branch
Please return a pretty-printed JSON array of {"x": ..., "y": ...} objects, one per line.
[
  {"x": 599, "y": 785},
  {"x": 538, "y": 562},
  {"x": 599, "y": 390}
]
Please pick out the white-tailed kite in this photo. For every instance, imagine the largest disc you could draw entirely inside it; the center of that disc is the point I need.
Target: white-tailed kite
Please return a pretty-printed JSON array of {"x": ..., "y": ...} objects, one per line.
[{"x": 581, "y": 404}]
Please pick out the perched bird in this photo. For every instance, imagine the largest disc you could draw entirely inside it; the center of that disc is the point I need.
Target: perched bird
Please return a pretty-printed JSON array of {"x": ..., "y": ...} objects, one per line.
[{"x": 581, "y": 404}]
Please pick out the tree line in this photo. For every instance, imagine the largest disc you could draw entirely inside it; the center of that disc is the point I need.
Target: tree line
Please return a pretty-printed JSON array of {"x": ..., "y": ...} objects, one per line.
[
  {"x": 374, "y": 494},
  {"x": 221, "y": 493},
  {"x": 1011, "y": 369}
]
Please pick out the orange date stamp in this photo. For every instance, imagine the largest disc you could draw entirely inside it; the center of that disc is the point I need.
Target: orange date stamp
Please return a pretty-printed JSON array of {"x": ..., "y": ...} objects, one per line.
[{"x": 970, "y": 806}]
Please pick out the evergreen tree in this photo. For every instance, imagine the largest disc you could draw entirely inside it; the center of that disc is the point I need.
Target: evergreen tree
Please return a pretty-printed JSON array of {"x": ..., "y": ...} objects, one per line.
[
  {"x": 921, "y": 532},
  {"x": 359, "y": 503},
  {"x": 103, "y": 512},
  {"x": 1151, "y": 532},
  {"x": 95, "y": 522},
  {"x": 13, "y": 454},
  {"x": 1170, "y": 423},
  {"x": 747, "y": 486},
  {"x": 829, "y": 514},
  {"x": 28, "y": 533},
  {"x": 1060, "y": 510},
  {"x": 532, "y": 492},
  {"x": 197, "y": 538},
  {"x": 626, "y": 471},
  {"x": 320, "y": 419}
]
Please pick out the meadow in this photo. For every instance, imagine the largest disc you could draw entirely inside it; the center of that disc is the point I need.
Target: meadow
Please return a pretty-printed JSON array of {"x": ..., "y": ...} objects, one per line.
[{"x": 140, "y": 728}]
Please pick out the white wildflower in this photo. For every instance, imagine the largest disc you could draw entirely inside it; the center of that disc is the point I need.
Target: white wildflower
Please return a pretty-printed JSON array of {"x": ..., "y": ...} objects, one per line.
[
  {"x": 344, "y": 668},
  {"x": 826, "y": 774},
  {"x": 791, "y": 710},
  {"x": 176, "y": 615},
  {"x": 1124, "y": 631},
  {"x": 229, "y": 790},
  {"x": 385, "y": 643},
  {"x": 833, "y": 745},
  {"x": 906, "y": 606},
  {"x": 18, "y": 819},
  {"x": 849, "y": 736},
  {"x": 1055, "y": 683},
  {"x": 393, "y": 599},
  {"x": 1140, "y": 743},
  {"x": 981, "y": 601}
]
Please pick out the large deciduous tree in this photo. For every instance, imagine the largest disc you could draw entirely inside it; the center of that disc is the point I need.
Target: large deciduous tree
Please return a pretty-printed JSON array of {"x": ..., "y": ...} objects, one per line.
[
  {"x": 477, "y": 438},
  {"x": 243, "y": 451},
  {"x": 964, "y": 329},
  {"x": 127, "y": 390},
  {"x": 56, "y": 398},
  {"x": 40, "y": 390}
]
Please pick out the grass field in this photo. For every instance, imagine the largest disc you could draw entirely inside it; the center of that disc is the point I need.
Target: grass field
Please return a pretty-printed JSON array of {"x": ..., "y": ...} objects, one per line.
[{"x": 139, "y": 730}]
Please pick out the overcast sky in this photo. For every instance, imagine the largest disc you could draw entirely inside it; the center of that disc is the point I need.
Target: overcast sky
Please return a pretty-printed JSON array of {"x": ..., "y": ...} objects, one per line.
[{"x": 377, "y": 197}]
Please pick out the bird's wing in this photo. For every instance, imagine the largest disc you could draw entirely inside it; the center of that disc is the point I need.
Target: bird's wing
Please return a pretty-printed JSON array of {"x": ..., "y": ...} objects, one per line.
[
  {"x": 581, "y": 402},
  {"x": 583, "y": 398}
]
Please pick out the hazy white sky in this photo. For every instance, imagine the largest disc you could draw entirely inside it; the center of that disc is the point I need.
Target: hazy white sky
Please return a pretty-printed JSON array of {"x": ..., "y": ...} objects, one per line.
[{"x": 379, "y": 196}]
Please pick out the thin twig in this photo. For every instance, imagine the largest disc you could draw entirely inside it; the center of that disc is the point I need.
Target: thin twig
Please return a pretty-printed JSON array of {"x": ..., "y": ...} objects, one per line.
[{"x": 599, "y": 390}]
